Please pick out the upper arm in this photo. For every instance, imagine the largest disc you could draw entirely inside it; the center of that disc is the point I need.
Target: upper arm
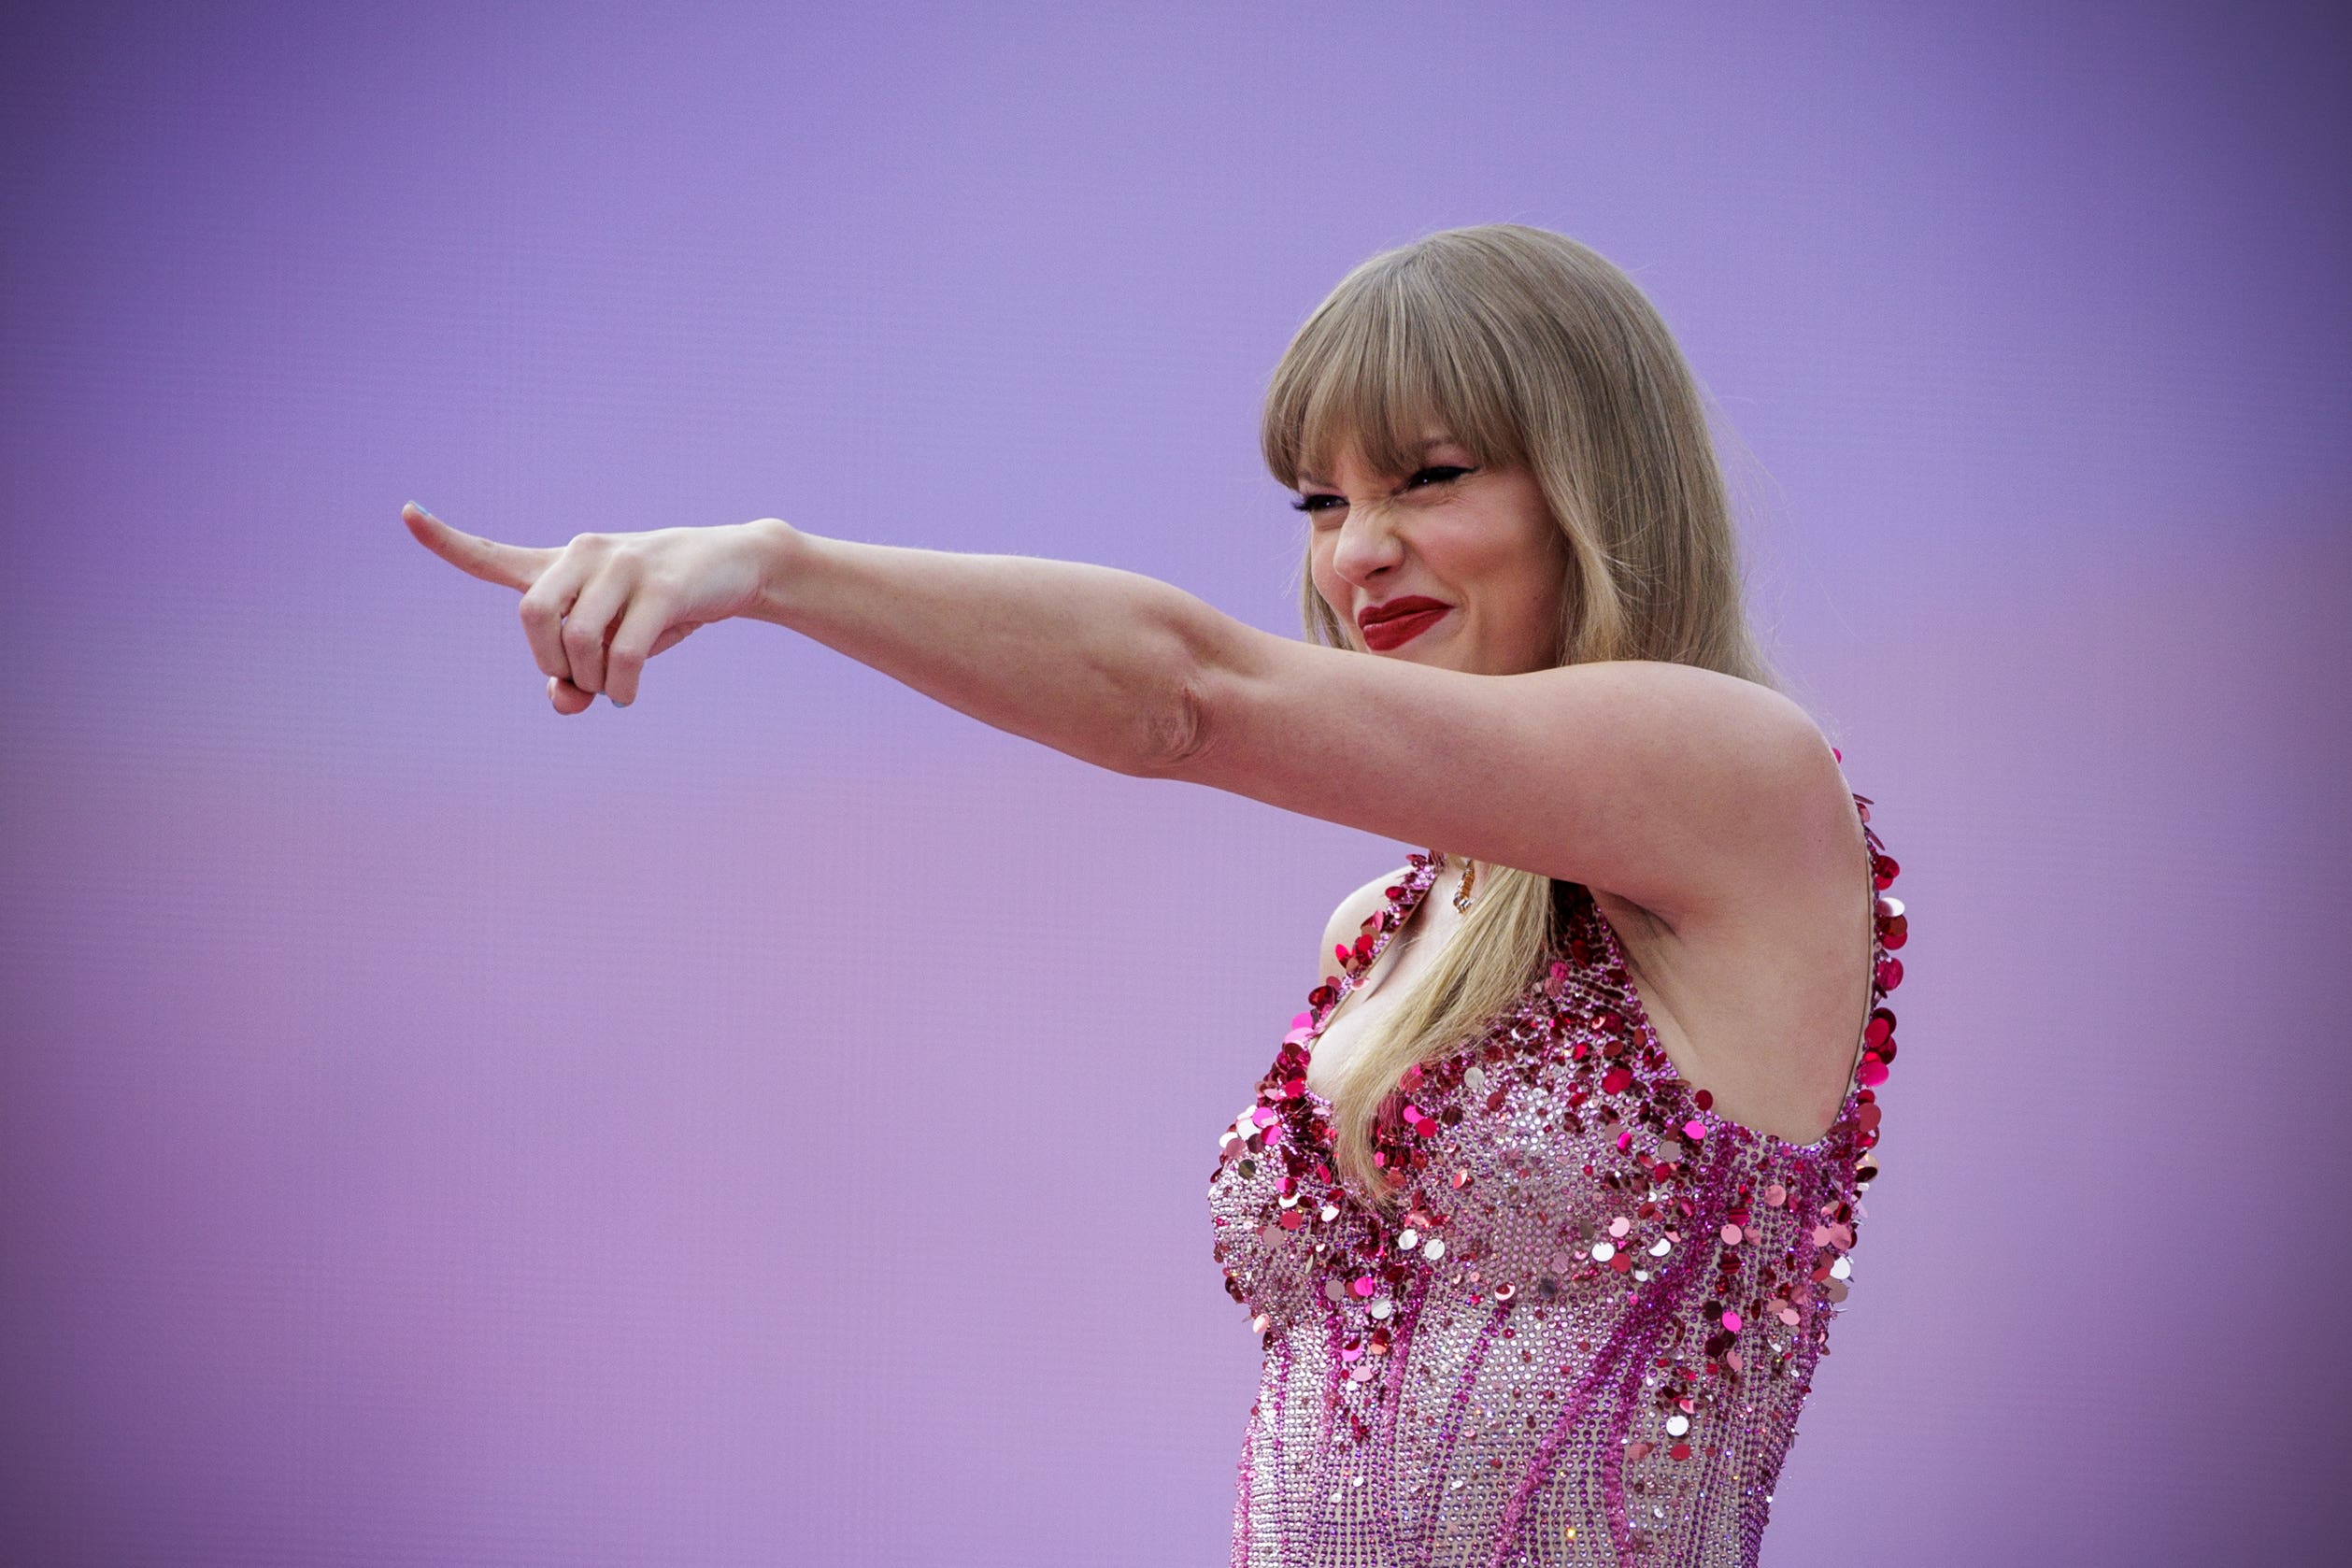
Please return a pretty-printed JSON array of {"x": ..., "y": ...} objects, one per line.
[{"x": 1679, "y": 789}]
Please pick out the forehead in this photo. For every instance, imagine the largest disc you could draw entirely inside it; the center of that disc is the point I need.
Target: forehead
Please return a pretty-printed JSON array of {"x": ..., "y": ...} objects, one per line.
[{"x": 1346, "y": 454}]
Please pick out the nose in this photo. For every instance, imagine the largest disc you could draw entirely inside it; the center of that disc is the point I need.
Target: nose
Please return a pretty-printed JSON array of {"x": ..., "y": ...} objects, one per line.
[{"x": 1367, "y": 546}]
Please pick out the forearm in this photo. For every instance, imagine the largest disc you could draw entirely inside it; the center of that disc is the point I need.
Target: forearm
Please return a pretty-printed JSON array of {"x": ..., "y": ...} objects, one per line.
[{"x": 1094, "y": 662}]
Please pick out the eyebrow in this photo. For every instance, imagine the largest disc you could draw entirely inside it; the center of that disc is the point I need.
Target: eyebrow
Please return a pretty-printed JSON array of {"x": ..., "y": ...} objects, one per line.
[{"x": 1418, "y": 447}]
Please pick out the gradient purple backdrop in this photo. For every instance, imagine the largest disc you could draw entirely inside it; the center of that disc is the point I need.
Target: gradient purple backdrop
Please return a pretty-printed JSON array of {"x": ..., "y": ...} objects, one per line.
[{"x": 769, "y": 1125}]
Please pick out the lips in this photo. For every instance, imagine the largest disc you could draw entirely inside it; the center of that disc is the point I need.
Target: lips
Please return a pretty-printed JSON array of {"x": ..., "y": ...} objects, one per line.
[{"x": 1399, "y": 621}]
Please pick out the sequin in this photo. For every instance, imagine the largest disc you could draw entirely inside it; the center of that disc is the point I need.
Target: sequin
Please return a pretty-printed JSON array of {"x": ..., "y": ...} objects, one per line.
[{"x": 1485, "y": 1358}]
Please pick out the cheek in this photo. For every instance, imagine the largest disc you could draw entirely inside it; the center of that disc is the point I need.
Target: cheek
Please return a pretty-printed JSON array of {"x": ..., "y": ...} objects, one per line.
[
  {"x": 1491, "y": 559},
  {"x": 1518, "y": 571}
]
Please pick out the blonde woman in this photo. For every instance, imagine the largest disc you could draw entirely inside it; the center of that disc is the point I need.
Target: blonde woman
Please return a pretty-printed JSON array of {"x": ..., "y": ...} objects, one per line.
[{"x": 1543, "y": 1208}]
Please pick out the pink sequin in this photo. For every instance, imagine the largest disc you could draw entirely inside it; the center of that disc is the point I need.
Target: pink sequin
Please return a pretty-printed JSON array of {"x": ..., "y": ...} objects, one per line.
[{"x": 1588, "y": 1313}]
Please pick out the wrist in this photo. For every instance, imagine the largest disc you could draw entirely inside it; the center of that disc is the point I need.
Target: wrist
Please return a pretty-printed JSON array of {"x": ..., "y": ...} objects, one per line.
[{"x": 783, "y": 550}]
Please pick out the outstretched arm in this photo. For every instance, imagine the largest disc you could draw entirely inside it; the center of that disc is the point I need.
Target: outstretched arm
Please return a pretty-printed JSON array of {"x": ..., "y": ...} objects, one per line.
[{"x": 1685, "y": 791}]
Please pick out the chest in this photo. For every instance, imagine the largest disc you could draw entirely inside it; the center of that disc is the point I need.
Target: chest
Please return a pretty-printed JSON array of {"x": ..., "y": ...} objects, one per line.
[{"x": 1559, "y": 1153}]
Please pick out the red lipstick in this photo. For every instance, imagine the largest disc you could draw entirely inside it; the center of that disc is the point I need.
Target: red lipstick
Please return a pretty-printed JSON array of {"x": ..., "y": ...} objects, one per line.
[{"x": 1399, "y": 621}]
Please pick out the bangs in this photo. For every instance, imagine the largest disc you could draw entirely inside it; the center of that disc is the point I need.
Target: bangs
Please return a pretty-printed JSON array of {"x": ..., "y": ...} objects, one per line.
[{"x": 1385, "y": 363}]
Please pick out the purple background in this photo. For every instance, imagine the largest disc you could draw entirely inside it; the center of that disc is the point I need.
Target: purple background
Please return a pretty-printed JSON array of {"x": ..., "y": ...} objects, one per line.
[{"x": 770, "y": 1125}]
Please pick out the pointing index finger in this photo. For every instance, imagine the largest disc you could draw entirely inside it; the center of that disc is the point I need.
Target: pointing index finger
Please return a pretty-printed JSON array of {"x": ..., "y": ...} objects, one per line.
[{"x": 516, "y": 566}]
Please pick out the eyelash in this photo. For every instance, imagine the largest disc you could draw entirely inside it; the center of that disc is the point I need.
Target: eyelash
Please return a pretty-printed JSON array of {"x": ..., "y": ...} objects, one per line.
[{"x": 1450, "y": 471}]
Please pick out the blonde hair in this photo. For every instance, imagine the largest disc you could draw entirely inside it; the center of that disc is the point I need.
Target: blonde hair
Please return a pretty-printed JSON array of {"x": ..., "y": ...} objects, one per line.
[{"x": 1532, "y": 351}]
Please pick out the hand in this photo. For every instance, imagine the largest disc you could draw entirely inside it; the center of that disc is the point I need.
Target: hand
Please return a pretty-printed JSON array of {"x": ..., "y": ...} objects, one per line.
[{"x": 598, "y": 609}]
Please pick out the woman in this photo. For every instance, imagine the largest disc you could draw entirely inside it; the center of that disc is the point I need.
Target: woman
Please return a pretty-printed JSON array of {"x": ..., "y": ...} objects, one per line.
[{"x": 1542, "y": 1209}]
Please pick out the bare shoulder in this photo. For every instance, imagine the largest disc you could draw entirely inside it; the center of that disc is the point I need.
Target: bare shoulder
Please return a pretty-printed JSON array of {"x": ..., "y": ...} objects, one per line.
[
  {"x": 1800, "y": 836},
  {"x": 1348, "y": 918}
]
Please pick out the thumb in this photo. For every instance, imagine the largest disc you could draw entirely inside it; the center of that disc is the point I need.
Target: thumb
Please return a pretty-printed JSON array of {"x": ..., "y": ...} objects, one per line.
[{"x": 516, "y": 566}]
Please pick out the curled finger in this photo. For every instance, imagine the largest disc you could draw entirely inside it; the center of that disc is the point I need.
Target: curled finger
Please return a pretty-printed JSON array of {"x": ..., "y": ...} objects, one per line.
[
  {"x": 641, "y": 635},
  {"x": 543, "y": 608},
  {"x": 601, "y": 602}
]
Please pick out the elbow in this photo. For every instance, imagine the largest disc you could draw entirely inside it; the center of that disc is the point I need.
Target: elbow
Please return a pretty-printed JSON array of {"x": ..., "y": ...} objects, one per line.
[
  {"x": 1178, "y": 709},
  {"x": 1175, "y": 733}
]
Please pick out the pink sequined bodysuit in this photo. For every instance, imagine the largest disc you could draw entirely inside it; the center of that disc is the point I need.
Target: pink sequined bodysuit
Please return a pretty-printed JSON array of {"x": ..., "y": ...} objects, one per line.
[{"x": 1584, "y": 1333}]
